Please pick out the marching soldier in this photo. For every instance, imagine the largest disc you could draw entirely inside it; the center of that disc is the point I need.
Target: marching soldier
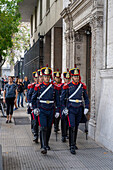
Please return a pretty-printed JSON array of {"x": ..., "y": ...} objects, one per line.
[
  {"x": 57, "y": 79},
  {"x": 47, "y": 97},
  {"x": 29, "y": 95},
  {"x": 74, "y": 92},
  {"x": 64, "y": 120},
  {"x": 36, "y": 123}
]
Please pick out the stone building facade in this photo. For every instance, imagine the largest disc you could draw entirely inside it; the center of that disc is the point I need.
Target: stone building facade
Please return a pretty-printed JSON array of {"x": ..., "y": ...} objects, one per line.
[{"x": 89, "y": 40}]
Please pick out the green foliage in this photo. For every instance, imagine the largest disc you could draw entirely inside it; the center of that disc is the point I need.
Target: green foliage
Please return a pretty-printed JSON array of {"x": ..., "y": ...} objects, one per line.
[
  {"x": 9, "y": 22},
  {"x": 20, "y": 41}
]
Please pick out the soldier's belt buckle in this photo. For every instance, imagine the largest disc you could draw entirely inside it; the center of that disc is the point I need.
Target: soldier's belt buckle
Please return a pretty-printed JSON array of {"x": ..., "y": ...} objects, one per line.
[
  {"x": 77, "y": 101},
  {"x": 48, "y": 102}
]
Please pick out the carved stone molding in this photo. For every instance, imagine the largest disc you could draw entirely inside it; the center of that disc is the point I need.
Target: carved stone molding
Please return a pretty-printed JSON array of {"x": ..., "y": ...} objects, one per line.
[
  {"x": 96, "y": 21},
  {"x": 78, "y": 37}
]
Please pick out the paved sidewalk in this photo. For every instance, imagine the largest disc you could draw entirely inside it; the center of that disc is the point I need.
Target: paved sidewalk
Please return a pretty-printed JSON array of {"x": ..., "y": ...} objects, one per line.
[{"x": 20, "y": 153}]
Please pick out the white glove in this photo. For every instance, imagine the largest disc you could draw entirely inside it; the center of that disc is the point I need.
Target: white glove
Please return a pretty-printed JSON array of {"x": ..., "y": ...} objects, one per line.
[
  {"x": 57, "y": 115},
  {"x": 36, "y": 111},
  {"x": 65, "y": 112},
  {"x": 30, "y": 105},
  {"x": 86, "y": 111},
  {"x": 27, "y": 105}
]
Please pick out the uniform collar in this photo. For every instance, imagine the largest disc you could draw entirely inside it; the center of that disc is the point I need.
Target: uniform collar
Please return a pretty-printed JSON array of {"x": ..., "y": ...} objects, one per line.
[
  {"x": 47, "y": 84},
  {"x": 57, "y": 83},
  {"x": 75, "y": 83}
]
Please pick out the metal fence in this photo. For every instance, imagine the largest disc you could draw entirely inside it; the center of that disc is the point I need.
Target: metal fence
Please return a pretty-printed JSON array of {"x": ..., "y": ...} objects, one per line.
[
  {"x": 33, "y": 59},
  {"x": 19, "y": 69}
]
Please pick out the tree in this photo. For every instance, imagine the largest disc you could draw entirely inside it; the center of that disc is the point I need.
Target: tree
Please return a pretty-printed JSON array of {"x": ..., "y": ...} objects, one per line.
[
  {"x": 21, "y": 41},
  {"x": 9, "y": 22}
]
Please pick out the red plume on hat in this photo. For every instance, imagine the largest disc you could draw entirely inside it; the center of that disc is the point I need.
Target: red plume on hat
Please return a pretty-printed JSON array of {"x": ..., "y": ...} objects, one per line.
[
  {"x": 75, "y": 66},
  {"x": 46, "y": 65}
]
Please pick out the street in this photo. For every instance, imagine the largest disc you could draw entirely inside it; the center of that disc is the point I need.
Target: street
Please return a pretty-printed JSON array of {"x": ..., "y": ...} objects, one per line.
[{"x": 19, "y": 152}]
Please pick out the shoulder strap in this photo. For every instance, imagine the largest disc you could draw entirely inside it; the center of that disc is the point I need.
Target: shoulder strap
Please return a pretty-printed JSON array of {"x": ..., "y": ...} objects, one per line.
[
  {"x": 76, "y": 91},
  {"x": 44, "y": 91}
]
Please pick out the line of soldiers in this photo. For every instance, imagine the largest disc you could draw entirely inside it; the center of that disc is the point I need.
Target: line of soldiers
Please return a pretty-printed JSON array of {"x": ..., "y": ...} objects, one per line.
[{"x": 49, "y": 101}]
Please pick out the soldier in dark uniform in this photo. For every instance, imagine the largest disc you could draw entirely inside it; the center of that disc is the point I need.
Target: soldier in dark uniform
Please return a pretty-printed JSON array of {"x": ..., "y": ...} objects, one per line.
[
  {"x": 36, "y": 123},
  {"x": 47, "y": 97},
  {"x": 29, "y": 95},
  {"x": 57, "y": 79},
  {"x": 64, "y": 120},
  {"x": 74, "y": 92}
]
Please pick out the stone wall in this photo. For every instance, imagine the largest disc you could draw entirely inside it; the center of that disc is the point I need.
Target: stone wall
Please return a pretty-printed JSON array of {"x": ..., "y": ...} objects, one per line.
[{"x": 104, "y": 133}]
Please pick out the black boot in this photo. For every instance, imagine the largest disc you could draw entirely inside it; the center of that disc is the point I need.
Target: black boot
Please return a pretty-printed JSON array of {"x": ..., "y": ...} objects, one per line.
[
  {"x": 72, "y": 140},
  {"x": 41, "y": 139},
  {"x": 44, "y": 140},
  {"x": 67, "y": 128},
  {"x": 63, "y": 128},
  {"x": 56, "y": 124},
  {"x": 32, "y": 124},
  {"x": 36, "y": 129},
  {"x": 76, "y": 131},
  {"x": 48, "y": 137}
]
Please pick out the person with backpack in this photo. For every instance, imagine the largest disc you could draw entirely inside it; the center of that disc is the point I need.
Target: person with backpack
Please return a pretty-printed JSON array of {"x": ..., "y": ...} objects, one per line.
[{"x": 9, "y": 97}]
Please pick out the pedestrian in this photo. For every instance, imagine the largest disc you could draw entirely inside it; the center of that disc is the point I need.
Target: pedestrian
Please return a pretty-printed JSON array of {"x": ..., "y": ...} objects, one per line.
[
  {"x": 15, "y": 103},
  {"x": 48, "y": 100},
  {"x": 20, "y": 89},
  {"x": 73, "y": 94},
  {"x": 9, "y": 97},
  {"x": 25, "y": 83}
]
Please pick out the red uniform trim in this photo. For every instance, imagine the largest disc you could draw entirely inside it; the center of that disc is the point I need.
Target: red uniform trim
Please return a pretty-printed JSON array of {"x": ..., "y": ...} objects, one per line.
[
  {"x": 47, "y": 84},
  {"x": 84, "y": 86},
  {"x": 33, "y": 116},
  {"x": 57, "y": 86},
  {"x": 74, "y": 83},
  {"x": 65, "y": 86},
  {"x": 39, "y": 121},
  {"x": 68, "y": 121},
  {"x": 29, "y": 86},
  {"x": 36, "y": 87}
]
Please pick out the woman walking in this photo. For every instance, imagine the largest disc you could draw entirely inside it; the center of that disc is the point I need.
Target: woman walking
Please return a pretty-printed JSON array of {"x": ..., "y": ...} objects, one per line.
[{"x": 10, "y": 97}]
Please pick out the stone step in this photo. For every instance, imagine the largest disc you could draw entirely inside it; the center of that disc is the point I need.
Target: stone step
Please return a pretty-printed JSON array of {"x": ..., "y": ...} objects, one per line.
[{"x": 1, "y": 168}]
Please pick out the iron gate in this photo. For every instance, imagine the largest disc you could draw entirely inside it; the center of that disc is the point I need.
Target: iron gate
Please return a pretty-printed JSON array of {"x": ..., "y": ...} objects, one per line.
[{"x": 33, "y": 59}]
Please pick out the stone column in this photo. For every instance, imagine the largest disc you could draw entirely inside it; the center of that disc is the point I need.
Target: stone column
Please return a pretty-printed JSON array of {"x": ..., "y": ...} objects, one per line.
[
  {"x": 56, "y": 48},
  {"x": 71, "y": 49},
  {"x": 47, "y": 49},
  {"x": 67, "y": 38},
  {"x": 52, "y": 49},
  {"x": 96, "y": 64}
]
